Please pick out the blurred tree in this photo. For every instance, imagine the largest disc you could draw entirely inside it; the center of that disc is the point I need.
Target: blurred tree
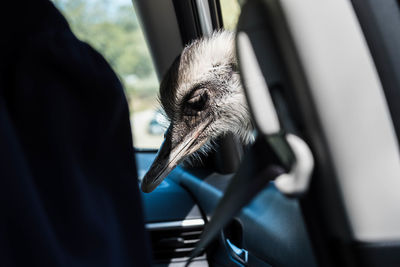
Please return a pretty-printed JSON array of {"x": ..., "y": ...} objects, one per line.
[
  {"x": 230, "y": 13},
  {"x": 113, "y": 31}
]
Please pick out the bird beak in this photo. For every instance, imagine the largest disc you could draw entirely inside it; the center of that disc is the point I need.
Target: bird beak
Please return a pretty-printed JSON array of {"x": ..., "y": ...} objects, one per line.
[{"x": 171, "y": 154}]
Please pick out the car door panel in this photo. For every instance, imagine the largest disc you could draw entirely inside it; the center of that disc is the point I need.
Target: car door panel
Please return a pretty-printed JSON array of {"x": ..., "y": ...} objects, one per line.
[{"x": 272, "y": 226}]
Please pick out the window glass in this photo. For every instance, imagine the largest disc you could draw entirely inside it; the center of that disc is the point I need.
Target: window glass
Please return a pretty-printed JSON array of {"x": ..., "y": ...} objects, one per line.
[
  {"x": 112, "y": 28},
  {"x": 230, "y": 10}
]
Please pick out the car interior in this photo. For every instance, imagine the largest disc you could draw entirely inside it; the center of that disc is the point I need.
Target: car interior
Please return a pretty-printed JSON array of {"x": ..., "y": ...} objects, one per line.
[
  {"x": 329, "y": 71},
  {"x": 332, "y": 71}
]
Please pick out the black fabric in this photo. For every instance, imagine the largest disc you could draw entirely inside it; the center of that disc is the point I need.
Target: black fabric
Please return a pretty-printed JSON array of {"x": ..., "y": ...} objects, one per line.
[{"x": 68, "y": 184}]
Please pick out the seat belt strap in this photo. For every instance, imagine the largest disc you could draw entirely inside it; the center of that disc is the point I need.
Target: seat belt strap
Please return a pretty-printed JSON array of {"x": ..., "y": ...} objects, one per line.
[{"x": 254, "y": 174}]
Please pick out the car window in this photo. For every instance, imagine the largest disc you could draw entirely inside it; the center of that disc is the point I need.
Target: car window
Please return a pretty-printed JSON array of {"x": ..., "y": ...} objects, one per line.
[{"x": 112, "y": 28}]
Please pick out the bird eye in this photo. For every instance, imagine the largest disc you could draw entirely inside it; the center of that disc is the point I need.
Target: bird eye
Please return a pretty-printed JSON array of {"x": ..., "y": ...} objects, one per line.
[{"x": 196, "y": 102}]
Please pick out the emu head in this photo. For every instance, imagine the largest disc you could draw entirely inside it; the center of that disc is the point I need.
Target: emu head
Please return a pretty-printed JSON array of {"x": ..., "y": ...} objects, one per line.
[{"x": 202, "y": 97}]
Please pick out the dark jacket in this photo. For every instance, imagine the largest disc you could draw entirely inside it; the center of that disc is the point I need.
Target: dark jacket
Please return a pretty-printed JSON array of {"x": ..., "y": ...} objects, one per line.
[{"x": 68, "y": 184}]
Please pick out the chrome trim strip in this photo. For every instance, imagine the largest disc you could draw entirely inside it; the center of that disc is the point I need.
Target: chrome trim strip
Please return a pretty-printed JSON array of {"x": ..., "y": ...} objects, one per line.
[
  {"x": 204, "y": 16},
  {"x": 174, "y": 224}
]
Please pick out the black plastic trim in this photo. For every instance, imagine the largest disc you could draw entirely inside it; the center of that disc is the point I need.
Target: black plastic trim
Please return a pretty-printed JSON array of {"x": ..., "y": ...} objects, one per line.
[
  {"x": 188, "y": 20},
  {"x": 380, "y": 22},
  {"x": 378, "y": 254},
  {"x": 216, "y": 15}
]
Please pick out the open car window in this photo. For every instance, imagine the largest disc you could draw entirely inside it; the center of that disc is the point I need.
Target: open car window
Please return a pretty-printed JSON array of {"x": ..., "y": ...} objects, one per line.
[{"x": 112, "y": 28}]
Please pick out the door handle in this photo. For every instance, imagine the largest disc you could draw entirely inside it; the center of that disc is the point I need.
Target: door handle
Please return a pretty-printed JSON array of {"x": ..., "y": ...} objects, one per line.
[{"x": 239, "y": 254}]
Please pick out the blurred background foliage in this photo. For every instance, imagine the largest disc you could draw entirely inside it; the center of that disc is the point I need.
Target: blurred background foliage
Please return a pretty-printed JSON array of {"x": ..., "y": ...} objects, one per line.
[
  {"x": 112, "y": 28},
  {"x": 230, "y": 10}
]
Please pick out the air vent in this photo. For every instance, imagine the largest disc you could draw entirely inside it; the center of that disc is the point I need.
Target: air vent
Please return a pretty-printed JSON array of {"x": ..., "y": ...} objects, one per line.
[{"x": 174, "y": 241}]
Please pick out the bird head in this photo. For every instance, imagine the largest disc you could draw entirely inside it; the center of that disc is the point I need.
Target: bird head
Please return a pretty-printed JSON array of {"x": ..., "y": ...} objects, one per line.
[{"x": 203, "y": 99}]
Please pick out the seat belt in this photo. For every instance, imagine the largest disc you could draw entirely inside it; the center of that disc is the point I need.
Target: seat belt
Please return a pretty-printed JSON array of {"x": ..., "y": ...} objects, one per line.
[
  {"x": 275, "y": 155},
  {"x": 251, "y": 178}
]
